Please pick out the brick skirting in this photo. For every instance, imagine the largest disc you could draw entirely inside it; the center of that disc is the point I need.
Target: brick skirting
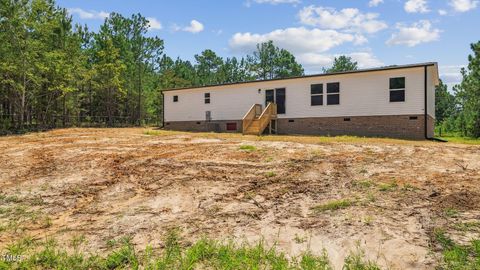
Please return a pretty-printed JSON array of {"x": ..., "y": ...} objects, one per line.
[
  {"x": 394, "y": 126},
  {"x": 203, "y": 126}
]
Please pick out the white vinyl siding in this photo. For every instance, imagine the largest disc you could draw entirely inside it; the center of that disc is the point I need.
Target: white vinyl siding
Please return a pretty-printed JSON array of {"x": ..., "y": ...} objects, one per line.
[{"x": 362, "y": 94}]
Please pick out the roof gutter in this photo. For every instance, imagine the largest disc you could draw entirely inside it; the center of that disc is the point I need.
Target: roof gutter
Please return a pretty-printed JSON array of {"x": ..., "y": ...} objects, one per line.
[
  {"x": 426, "y": 103},
  {"x": 163, "y": 110}
]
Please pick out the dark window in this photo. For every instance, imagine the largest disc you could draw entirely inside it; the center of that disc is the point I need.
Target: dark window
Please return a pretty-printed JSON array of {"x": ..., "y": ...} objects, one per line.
[
  {"x": 333, "y": 99},
  {"x": 316, "y": 92},
  {"x": 207, "y": 98},
  {"x": 397, "y": 83},
  {"x": 397, "y": 89},
  {"x": 333, "y": 93},
  {"x": 269, "y": 96},
  {"x": 198, "y": 123},
  {"x": 168, "y": 124},
  {"x": 317, "y": 100},
  {"x": 280, "y": 100},
  {"x": 291, "y": 121},
  {"x": 231, "y": 126},
  {"x": 413, "y": 117},
  {"x": 397, "y": 96},
  {"x": 346, "y": 119},
  {"x": 333, "y": 88},
  {"x": 316, "y": 89},
  {"x": 175, "y": 98}
]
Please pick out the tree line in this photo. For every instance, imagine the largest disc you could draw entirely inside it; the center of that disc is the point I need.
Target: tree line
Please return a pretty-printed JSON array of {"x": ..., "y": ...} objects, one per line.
[
  {"x": 54, "y": 73},
  {"x": 57, "y": 73},
  {"x": 458, "y": 112}
]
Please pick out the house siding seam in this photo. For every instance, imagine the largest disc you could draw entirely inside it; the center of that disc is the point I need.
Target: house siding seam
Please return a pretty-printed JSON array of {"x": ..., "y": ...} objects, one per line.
[{"x": 395, "y": 126}]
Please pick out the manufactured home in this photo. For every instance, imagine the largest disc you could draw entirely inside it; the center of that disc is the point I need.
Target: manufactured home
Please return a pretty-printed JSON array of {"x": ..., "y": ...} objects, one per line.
[{"x": 392, "y": 101}]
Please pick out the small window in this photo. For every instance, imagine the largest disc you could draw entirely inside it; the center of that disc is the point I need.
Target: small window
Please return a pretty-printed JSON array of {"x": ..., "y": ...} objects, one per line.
[
  {"x": 413, "y": 117},
  {"x": 333, "y": 93},
  {"x": 175, "y": 98},
  {"x": 397, "y": 89},
  {"x": 291, "y": 121},
  {"x": 316, "y": 92},
  {"x": 231, "y": 126},
  {"x": 207, "y": 98},
  {"x": 346, "y": 119}
]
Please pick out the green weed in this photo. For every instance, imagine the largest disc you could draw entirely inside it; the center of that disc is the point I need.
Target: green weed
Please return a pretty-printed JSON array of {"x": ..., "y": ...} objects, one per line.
[
  {"x": 248, "y": 148},
  {"x": 458, "y": 257},
  {"x": 333, "y": 205}
]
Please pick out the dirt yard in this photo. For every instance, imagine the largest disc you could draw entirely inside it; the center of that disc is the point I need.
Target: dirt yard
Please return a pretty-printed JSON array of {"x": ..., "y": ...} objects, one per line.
[{"x": 384, "y": 196}]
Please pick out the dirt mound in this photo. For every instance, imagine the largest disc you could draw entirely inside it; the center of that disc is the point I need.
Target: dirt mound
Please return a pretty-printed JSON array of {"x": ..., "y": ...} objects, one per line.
[{"x": 462, "y": 200}]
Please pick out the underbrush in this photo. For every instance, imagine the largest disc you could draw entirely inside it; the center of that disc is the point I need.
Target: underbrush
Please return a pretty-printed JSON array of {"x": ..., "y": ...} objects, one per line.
[{"x": 203, "y": 254}]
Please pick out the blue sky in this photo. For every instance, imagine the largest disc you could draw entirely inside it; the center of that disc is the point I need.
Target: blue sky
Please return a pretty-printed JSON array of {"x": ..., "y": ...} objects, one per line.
[{"x": 373, "y": 32}]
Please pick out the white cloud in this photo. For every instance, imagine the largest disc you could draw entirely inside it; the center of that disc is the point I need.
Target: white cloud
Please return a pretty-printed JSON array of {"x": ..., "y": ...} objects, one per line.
[
  {"x": 417, "y": 33},
  {"x": 442, "y": 12},
  {"x": 296, "y": 40},
  {"x": 154, "y": 24},
  {"x": 463, "y": 5},
  {"x": 451, "y": 75},
  {"x": 416, "y": 6},
  {"x": 194, "y": 27},
  {"x": 349, "y": 19},
  {"x": 308, "y": 45},
  {"x": 88, "y": 15},
  {"x": 374, "y": 3},
  {"x": 314, "y": 62}
]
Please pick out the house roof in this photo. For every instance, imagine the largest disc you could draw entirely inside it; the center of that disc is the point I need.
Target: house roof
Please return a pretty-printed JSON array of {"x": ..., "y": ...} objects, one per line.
[{"x": 316, "y": 75}]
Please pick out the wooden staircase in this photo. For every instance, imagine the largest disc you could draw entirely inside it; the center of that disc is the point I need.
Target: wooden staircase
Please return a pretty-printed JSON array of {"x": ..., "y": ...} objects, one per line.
[{"x": 256, "y": 121}]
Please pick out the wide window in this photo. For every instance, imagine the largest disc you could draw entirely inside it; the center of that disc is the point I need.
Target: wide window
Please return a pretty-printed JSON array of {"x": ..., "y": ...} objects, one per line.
[
  {"x": 207, "y": 98},
  {"x": 316, "y": 92},
  {"x": 333, "y": 93},
  {"x": 397, "y": 89},
  {"x": 175, "y": 98}
]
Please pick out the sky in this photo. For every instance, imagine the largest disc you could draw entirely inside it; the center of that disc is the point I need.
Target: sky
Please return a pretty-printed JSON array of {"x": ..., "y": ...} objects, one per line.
[{"x": 373, "y": 32}]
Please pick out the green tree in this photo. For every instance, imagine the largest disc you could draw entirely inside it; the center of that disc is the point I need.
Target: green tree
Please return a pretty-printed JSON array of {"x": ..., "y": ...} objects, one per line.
[
  {"x": 108, "y": 78},
  {"x": 271, "y": 62},
  {"x": 208, "y": 66},
  {"x": 444, "y": 103},
  {"x": 342, "y": 63},
  {"x": 468, "y": 93},
  {"x": 234, "y": 70}
]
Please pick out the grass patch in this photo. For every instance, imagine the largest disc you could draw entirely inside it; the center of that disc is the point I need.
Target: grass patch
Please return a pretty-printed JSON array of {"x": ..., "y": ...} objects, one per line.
[
  {"x": 285, "y": 138},
  {"x": 461, "y": 140},
  {"x": 364, "y": 184},
  {"x": 333, "y": 205},
  {"x": 451, "y": 212},
  {"x": 468, "y": 226},
  {"x": 270, "y": 174},
  {"x": 203, "y": 254},
  {"x": 386, "y": 187},
  {"x": 356, "y": 261},
  {"x": 248, "y": 148},
  {"x": 458, "y": 257}
]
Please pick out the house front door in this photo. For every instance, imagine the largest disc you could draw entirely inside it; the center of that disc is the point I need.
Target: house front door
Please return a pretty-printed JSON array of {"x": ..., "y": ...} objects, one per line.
[{"x": 276, "y": 96}]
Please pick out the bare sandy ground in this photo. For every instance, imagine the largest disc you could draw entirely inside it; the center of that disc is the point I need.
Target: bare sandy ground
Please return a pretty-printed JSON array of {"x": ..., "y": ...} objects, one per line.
[{"x": 109, "y": 183}]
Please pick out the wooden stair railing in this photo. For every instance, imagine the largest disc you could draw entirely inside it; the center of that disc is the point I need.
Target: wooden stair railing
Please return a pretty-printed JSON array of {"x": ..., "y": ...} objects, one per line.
[
  {"x": 251, "y": 115},
  {"x": 255, "y": 124}
]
